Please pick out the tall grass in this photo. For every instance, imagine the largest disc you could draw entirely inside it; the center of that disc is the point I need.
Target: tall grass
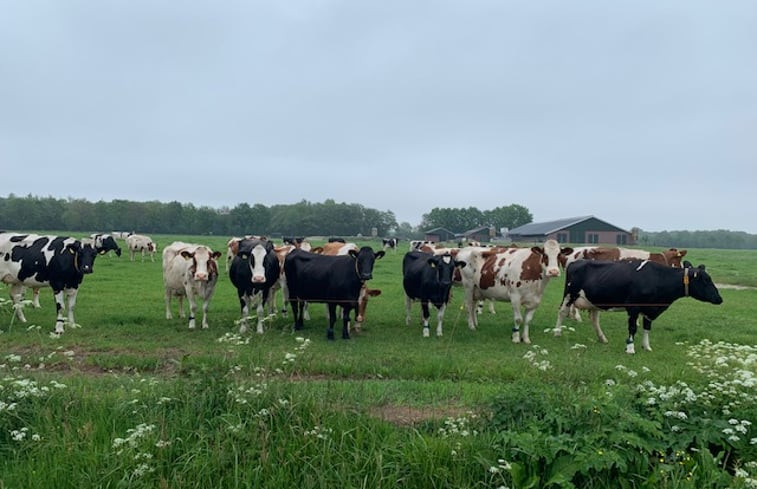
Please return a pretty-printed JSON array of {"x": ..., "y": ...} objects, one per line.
[{"x": 149, "y": 403}]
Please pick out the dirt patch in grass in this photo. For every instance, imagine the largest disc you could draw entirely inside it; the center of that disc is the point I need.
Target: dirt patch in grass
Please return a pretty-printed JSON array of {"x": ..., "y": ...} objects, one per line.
[{"x": 410, "y": 416}]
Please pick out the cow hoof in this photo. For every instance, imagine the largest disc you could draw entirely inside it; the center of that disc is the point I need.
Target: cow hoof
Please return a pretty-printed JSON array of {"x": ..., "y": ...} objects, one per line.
[
  {"x": 426, "y": 333},
  {"x": 526, "y": 341},
  {"x": 242, "y": 329},
  {"x": 345, "y": 337}
]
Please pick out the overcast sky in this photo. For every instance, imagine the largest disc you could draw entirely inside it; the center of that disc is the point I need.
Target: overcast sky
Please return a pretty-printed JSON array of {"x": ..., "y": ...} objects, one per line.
[{"x": 641, "y": 113}]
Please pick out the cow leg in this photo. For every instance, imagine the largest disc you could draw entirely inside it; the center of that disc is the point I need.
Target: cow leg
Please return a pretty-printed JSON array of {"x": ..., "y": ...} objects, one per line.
[
  {"x": 244, "y": 301},
  {"x": 575, "y": 313},
  {"x": 192, "y": 309},
  {"x": 264, "y": 298},
  {"x": 168, "y": 304},
  {"x": 594, "y": 315},
  {"x": 332, "y": 320},
  {"x": 17, "y": 295},
  {"x": 205, "y": 305},
  {"x": 59, "y": 309},
  {"x": 480, "y": 306},
  {"x": 645, "y": 334},
  {"x": 517, "y": 320},
  {"x": 408, "y": 306},
  {"x": 632, "y": 318},
  {"x": 424, "y": 316},
  {"x": 346, "y": 322},
  {"x": 181, "y": 307},
  {"x": 562, "y": 313},
  {"x": 529, "y": 315},
  {"x": 491, "y": 307},
  {"x": 285, "y": 298},
  {"x": 71, "y": 299},
  {"x": 35, "y": 298},
  {"x": 296, "y": 313},
  {"x": 472, "y": 317},
  {"x": 439, "y": 318},
  {"x": 305, "y": 312}
]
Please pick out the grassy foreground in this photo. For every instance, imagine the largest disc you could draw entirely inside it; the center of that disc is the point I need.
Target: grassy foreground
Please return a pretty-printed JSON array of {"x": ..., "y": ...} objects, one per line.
[{"x": 130, "y": 399}]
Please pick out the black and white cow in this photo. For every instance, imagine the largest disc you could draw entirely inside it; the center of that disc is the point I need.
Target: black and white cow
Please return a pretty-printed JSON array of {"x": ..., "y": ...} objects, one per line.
[
  {"x": 641, "y": 288},
  {"x": 105, "y": 243},
  {"x": 390, "y": 243},
  {"x": 428, "y": 278},
  {"x": 59, "y": 262},
  {"x": 254, "y": 270},
  {"x": 334, "y": 280}
]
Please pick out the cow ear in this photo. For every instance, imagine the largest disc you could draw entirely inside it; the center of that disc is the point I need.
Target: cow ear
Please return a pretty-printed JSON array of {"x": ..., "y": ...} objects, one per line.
[
  {"x": 566, "y": 251},
  {"x": 687, "y": 264},
  {"x": 373, "y": 292},
  {"x": 379, "y": 254},
  {"x": 73, "y": 247},
  {"x": 216, "y": 254},
  {"x": 538, "y": 250},
  {"x": 187, "y": 255},
  {"x": 353, "y": 253},
  {"x": 682, "y": 253},
  {"x": 244, "y": 256},
  {"x": 701, "y": 267},
  {"x": 460, "y": 263},
  {"x": 432, "y": 261}
]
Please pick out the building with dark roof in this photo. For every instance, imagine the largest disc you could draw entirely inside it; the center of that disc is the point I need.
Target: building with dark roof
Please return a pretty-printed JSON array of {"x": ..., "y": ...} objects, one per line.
[
  {"x": 577, "y": 230},
  {"x": 439, "y": 234}
]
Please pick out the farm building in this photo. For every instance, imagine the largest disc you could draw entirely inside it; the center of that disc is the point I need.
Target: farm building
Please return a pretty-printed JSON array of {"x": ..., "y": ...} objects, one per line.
[
  {"x": 578, "y": 230},
  {"x": 482, "y": 234},
  {"x": 439, "y": 234}
]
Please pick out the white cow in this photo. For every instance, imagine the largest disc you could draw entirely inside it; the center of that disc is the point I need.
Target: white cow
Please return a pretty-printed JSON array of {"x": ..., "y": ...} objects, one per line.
[
  {"x": 141, "y": 243},
  {"x": 517, "y": 275},
  {"x": 190, "y": 270}
]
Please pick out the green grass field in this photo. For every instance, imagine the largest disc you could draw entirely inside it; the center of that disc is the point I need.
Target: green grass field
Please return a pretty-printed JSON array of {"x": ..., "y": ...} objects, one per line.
[{"x": 150, "y": 403}]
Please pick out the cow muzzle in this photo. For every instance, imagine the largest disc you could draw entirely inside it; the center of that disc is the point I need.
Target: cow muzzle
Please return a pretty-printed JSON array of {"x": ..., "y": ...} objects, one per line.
[
  {"x": 366, "y": 276},
  {"x": 201, "y": 276},
  {"x": 553, "y": 272},
  {"x": 258, "y": 279},
  {"x": 86, "y": 269}
]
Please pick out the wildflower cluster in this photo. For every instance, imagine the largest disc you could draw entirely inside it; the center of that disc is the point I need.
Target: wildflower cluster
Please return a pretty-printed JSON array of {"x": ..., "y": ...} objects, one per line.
[
  {"x": 533, "y": 355},
  {"x": 135, "y": 449},
  {"x": 730, "y": 370},
  {"x": 290, "y": 358},
  {"x": 460, "y": 426},
  {"x": 320, "y": 432},
  {"x": 234, "y": 339},
  {"x": 14, "y": 392}
]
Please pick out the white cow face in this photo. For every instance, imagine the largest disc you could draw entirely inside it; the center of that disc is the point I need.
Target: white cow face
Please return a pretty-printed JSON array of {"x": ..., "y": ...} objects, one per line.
[{"x": 203, "y": 262}]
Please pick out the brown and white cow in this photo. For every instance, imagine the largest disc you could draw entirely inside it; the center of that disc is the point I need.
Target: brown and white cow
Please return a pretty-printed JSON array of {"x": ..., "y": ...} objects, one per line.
[
  {"x": 335, "y": 248},
  {"x": 191, "y": 271},
  {"x": 671, "y": 257},
  {"x": 141, "y": 243},
  {"x": 516, "y": 275}
]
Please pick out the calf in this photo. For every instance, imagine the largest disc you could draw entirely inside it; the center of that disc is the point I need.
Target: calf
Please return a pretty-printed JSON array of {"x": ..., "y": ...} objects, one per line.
[
  {"x": 428, "y": 278},
  {"x": 335, "y": 280},
  {"x": 641, "y": 288},
  {"x": 517, "y": 275},
  {"x": 190, "y": 270},
  {"x": 59, "y": 262},
  {"x": 140, "y": 243},
  {"x": 254, "y": 271}
]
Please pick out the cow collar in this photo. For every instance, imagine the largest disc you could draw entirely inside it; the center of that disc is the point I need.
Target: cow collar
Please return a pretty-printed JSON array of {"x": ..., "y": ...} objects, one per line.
[{"x": 686, "y": 282}]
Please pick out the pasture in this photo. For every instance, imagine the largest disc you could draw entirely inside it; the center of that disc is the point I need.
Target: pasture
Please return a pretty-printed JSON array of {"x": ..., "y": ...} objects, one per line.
[{"x": 130, "y": 399}]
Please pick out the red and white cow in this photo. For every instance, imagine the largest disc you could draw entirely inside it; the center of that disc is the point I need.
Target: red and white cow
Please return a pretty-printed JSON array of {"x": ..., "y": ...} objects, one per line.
[
  {"x": 516, "y": 275},
  {"x": 671, "y": 257},
  {"x": 141, "y": 243},
  {"x": 191, "y": 271},
  {"x": 335, "y": 248}
]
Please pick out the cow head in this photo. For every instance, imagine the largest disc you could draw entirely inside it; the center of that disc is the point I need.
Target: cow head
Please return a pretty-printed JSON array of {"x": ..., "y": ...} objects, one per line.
[
  {"x": 445, "y": 267},
  {"x": 364, "y": 260},
  {"x": 673, "y": 257},
  {"x": 254, "y": 253},
  {"x": 203, "y": 262},
  {"x": 105, "y": 243},
  {"x": 84, "y": 254},
  {"x": 550, "y": 256},
  {"x": 699, "y": 284}
]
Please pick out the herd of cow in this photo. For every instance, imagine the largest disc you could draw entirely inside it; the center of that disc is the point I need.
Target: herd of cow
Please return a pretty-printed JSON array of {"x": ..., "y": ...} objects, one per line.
[{"x": 597, "y": 279}]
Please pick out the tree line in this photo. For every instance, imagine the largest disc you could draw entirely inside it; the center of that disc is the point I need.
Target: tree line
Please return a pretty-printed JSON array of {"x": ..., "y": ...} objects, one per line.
[{"x": 328, "y": 218}]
